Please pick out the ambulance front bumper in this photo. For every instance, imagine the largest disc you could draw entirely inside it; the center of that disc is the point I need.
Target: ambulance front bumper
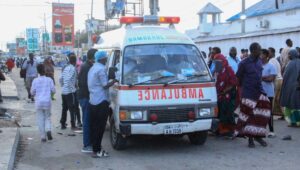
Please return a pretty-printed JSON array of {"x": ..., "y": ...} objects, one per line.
[{"x": 165, "y": 128}]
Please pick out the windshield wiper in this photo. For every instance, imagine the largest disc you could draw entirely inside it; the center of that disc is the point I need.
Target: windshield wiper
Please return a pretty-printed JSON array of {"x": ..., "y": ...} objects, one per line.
[
  {"x": 187, "y": 78},
  {"x": 161, "y": 77}
]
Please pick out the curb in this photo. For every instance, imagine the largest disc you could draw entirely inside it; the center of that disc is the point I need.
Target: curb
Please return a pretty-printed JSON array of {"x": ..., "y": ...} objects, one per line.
[
  {"x": 9, "y": 89},
  {"x": 11, "y": 97},
  {"x": 14, "y": 151}
]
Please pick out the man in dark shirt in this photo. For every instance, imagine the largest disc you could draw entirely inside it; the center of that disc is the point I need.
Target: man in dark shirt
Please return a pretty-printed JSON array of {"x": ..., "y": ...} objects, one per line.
[
  {"x": 249, "y": 74},
  {"x": 83, "y": 96},
  {"x": 2, "y": 78},
  {"x": 255, "y": 108}
]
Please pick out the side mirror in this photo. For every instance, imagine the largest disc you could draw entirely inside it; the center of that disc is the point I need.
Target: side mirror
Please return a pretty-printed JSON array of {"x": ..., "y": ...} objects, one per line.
[{"x": 111, "y": 73}]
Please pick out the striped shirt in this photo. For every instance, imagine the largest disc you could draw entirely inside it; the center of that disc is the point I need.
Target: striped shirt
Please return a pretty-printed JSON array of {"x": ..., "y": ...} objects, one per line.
[
  {"x": 68, "y": 80},
  {"x": 41, "y": 88}
]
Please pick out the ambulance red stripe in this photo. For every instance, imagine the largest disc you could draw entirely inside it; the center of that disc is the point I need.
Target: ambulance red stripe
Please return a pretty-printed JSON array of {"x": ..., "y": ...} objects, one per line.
[{"x": 173, "y": 86}]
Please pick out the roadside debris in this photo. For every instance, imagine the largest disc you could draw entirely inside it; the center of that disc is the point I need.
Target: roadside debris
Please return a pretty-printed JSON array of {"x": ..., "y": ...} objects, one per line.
[
  {"x": 29, "y": 138},
  {"x": 71, "y": 134},
  {"x": 26, "y": 126},
  {"x": 287, "y": 137},
  {"x": 78, "y": 131},
  {"x": 6, "y": 116}
]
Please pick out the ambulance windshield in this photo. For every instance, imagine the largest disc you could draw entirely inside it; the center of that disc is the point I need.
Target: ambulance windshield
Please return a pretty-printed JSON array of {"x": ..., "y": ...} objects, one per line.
[{"x": 144, "y": 63}]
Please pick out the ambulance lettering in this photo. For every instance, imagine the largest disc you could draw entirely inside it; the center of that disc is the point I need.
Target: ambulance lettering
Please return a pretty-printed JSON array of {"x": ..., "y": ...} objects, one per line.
[{"x": 169, "y": 94}]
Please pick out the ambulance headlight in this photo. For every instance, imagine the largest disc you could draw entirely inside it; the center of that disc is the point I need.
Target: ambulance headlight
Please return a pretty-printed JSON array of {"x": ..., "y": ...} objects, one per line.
[
  {"x": 136, "y": 115},
  {"x": 205, "y": 112}
]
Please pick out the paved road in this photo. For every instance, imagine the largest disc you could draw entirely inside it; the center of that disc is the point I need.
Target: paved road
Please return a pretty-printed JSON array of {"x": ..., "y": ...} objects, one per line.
[{"x": 149, "y": 153}]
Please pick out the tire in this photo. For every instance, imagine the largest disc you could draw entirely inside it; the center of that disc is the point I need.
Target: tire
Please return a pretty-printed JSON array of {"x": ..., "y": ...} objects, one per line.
[
  {"x": 118, "y": 142},
  {"x": 198, "y": 138}
]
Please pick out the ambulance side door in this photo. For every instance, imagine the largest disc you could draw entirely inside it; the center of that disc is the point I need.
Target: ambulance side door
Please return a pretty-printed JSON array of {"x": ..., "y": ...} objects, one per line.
[{"x": 114, "y": 61}]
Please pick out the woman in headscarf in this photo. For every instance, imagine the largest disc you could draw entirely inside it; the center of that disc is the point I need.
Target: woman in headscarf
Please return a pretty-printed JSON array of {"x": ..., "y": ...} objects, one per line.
[
  {"x": 49, "y": 71},
  {"x": 290, "y": 93},
  {"x": 49, "y": 68},
  {"x": 10, "y": 64},
  {"x": 226, "y": 82}
]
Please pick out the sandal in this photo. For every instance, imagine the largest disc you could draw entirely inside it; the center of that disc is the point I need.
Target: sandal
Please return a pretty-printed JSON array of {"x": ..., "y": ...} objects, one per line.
[
  {"x": 100, "y": 154},
  {"x": 251, "y": 143},
  {"x": 261, "y": 142}
]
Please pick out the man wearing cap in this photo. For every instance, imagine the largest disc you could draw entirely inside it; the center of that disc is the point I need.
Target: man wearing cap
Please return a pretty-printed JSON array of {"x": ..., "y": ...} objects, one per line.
[{"x": 99, "y": 107}]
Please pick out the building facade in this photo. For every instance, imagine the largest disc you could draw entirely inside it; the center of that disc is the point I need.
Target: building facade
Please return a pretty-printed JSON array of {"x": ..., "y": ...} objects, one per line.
[{"x": 265, "y": 23}]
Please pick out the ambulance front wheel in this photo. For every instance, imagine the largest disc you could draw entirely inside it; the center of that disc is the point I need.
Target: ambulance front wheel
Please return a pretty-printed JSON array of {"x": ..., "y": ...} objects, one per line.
[
  {"x": 198, "y": 138},
  {"x": 117, "y": 140}
]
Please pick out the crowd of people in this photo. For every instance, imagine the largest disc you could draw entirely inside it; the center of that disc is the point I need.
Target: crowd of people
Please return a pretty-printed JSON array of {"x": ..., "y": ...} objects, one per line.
[
  {"x": 2, "y": 78},
  {"x": 256, "y": 87},
  {"x": 6, "y": 67},
  {"x": 81, "y": 84}
]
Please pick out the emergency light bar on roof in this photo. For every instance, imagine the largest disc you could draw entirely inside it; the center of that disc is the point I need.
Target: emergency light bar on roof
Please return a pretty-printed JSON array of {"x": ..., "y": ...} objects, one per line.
[{"x": 150, "y": 20}]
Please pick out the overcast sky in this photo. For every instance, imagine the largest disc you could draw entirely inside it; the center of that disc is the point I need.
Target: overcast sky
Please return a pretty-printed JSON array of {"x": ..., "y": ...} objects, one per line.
[{"x": 17, "y": 15}]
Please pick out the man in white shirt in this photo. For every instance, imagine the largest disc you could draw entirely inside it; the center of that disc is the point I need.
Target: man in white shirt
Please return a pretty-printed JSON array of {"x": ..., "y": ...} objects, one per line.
[
  {"x": 233, "y": 59},
  {"x": 31, "y": 73},
  {"x": 269, "y": 74},
  {"x": 284, "y": 57},
  {"x": 277, "y": 110},
  {"x": 42, "y": 88},
  {"x": 99, "y": 106}
]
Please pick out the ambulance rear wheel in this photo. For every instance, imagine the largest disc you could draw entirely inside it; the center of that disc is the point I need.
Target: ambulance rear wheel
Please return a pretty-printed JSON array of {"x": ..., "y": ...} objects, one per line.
[
  {"x": 118, "y": 142},
  {"x": 198, "y": 138}
]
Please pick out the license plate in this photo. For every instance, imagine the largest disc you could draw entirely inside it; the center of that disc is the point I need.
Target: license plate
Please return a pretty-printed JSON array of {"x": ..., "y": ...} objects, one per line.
[{"x": 172, "y": 130}]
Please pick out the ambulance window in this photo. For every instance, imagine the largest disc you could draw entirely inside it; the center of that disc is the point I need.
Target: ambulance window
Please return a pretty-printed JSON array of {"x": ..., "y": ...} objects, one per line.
[
  {"x": 109, "y": 59},
  {"x": 116, "y": 58},
  {"x": 116, "y": 63},
  {"x": 171, "y": 61}
]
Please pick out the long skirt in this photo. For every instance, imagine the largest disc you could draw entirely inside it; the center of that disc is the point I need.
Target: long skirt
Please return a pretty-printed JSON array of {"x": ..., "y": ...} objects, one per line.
[
  {"x": 277, "y": 109},
  {"x": 292, "y": 116},
  {"x": 226, "y": 116},
  {"x": 253, "y": 117}
]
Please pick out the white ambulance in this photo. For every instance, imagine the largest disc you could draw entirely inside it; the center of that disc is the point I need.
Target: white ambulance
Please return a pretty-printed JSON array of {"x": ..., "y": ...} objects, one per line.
[{"x": 165, "y": 87}]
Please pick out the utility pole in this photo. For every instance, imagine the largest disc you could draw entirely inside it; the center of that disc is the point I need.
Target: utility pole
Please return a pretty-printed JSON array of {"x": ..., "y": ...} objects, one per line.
[
  {"x": 44, "y": 38},
  {"x": 276, "y": 4},
  {"x": 92, "y": 9},
  {"x": 90, "y": 26},
  {"x": 243, "y": 13},
  {"x": 154, "y": 7},
  {"x": 89, "y": 31},
  {"x": 78, "y": 41}
]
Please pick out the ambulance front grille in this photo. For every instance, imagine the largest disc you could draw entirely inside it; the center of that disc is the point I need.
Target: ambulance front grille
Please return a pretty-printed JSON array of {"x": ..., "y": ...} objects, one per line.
[{"x": 172, "y": 115}]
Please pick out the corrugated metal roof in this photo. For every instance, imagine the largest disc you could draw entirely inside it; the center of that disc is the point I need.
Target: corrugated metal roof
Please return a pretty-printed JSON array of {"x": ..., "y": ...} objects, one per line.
[
  {"x": 265, "y": 7},
  {"x": 210, "y": 9}
]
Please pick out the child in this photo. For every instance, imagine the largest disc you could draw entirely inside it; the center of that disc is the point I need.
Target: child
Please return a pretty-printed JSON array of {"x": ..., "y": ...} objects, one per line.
[{"x": 42, "y": 88}]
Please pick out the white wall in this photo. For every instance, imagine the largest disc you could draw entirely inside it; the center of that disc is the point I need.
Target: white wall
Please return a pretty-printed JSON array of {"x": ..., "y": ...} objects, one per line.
[
  {"x": 279, "y": 20},
  {"x": 275, "y": 41}
]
